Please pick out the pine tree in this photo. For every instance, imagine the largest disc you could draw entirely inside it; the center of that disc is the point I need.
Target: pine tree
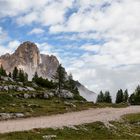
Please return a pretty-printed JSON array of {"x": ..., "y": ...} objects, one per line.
[
  {"x": 125, "y": 96},
  {"x": 71, "y": 82},
  {"x": 2, "y": 71},
  {"x": 60, "y": 77},
  {"x": 10, "y": 75},
  {"x": 107, "y": 97},
  {"x": 15, "y": 74},
  {"x": 135, "y": 97},
  {"x": 100, "y": 97},
  {"x": 22, "y": 76},
  {"x": 26, "y": 77},
  {"x": 119, "y": 96},
  {"x": 35, "y": 77}
]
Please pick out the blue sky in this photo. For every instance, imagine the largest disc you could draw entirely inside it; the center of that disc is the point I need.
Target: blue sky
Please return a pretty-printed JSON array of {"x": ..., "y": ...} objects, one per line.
[{"x": 97, "y": 40}]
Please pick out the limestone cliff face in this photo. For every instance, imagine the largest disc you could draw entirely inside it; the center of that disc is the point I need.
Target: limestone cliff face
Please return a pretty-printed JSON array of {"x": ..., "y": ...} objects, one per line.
[{"x": 28, "y": 58}]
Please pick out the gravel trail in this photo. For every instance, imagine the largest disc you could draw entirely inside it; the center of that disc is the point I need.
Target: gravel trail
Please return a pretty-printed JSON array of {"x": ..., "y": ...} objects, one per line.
[{"x": 67, "y": 119}]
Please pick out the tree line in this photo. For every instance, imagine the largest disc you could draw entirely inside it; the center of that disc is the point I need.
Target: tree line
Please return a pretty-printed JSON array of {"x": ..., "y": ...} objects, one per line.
[
  {"x": 17, "y": 74},
  {"x": 121, "y": 97},
  {"x": 60, "y": 80}
]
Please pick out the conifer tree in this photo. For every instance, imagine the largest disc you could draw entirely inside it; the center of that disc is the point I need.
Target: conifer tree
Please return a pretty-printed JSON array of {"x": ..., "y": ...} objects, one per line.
[
  {"x": 23, "y": 77},
  {"x": 107, "y": 97},
  {"x": 119, "y": 96},
  {"x": 26, "y": 77},
  {"x": 125, "y": 96},
  {"x": 2, "y": 71},
  {"x": 10, "y": 75},
  {"x": 135, "y": 97},
  {"x": 60, "y": 77},
  {"x": 100, "y": 97},
  {"x": 35, "y": 77},
  {"x": 15, "y": 74},
  {"x": 71, "y": 82}
]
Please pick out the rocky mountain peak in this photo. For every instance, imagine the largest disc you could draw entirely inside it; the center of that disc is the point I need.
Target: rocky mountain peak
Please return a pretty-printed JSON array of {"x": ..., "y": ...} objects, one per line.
[
  {"x": 27, "y": 57},
  {"x": 27, "y": 47},
  {"x": 28, "y": 53}
]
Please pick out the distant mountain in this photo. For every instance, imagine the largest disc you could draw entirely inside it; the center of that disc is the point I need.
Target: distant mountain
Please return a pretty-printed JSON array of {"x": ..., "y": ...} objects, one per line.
[
  {"x": 86, "y": 93},
  {"x": 28, "y": 58}
]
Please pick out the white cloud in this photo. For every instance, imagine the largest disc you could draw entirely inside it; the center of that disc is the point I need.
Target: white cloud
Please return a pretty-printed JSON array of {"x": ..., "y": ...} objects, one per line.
[
  {"x": 0, "y": 30},
  {"x": 91, "y": 48},
  {"x": 16, "y": 8},
  {"x": 93, "y": 17},
  {"x": 36, "y": 31},
  {"x": 3, "y": 35},
  {"x": 27, "y": 19},
  {"x": 12, "y": 45},
  {"x": 44, "y": 12},
  {"x": 54, "y": 13},
  {"x": 9, "y": 48}
]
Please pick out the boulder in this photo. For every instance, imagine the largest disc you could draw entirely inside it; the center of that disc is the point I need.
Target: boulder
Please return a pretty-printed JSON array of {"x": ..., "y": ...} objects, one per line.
[
  {"x": 19, "y": 115},
  {"x": 51, "y": 94},
  {"x": 11, "y": 87},
  {"x": 6, "y": 116},
  {"x": 30, "y": 89},
  {"x": 5, "y": 78},
  {"x": 46, "y": 96},
  {"x": 20, "y": 83},
  {"x": 26, "y": 96},
  {"x": 21, "y": 89},
  {"x": 33, "y": 95},
  {"x": 49, "y": 137},
  {"x": 66, "y": 94},
  {"x": 70, "y": 104},
  {"x": 5, "y": 88}
]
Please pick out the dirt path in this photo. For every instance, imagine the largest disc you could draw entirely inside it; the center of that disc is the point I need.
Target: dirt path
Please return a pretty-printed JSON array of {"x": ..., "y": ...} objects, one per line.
[{"x": 67, "y": 119}]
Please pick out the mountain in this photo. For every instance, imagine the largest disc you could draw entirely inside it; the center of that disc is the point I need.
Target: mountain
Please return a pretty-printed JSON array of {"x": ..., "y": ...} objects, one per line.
[
  {"x": 28, "y": 58},
  {"x": 85, "y": 92}
]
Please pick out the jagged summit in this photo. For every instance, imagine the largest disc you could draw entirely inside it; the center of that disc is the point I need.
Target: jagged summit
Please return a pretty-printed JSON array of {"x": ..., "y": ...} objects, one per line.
[
  {"x": 27, "y": 57},
  {"x": 27, "y": 47},
  {"x": 28, "y": 54}
]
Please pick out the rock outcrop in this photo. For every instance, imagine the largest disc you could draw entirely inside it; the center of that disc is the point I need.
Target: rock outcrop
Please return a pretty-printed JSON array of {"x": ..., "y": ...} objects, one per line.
[
  {"x": 15, "y": 88},
  {"x": 28, "y": 58},
  {"x": 7, "y": 116}
]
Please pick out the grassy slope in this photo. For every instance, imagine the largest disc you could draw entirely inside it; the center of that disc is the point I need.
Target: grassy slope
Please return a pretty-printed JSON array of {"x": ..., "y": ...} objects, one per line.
[
  {"x": 127, "y": 128},
  {"x": 39, "y": 107}
]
